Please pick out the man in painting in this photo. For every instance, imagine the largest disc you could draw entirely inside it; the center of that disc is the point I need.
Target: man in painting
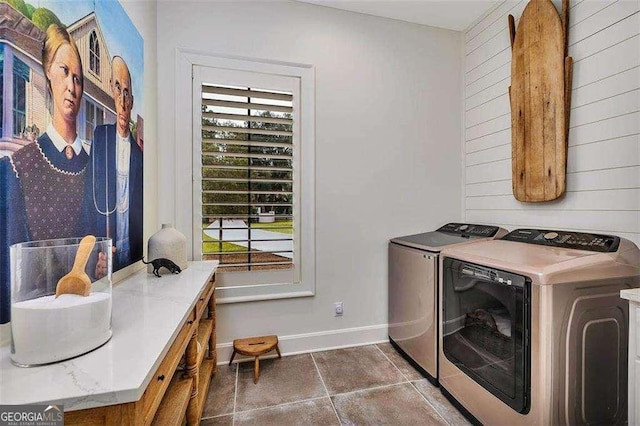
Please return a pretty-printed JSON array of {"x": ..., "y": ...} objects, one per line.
[{"x": 113, "y": 190}]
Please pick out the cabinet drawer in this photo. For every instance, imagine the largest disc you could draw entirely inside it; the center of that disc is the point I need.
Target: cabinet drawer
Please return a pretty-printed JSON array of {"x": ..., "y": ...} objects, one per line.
[
  {"x": 160, "y": 381},
  {"x": 634, "y": 329},
  {"x": 634, "y": 389},
  {"x": 203, "y": 299}
]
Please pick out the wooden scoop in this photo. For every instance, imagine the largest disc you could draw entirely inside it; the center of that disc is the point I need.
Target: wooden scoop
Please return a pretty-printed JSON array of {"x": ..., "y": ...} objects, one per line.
[{"x": 77, "y": 281}]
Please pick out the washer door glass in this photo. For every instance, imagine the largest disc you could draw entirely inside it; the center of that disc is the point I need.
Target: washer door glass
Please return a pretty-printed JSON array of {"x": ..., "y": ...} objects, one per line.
[{"x": 486, "y": 332}]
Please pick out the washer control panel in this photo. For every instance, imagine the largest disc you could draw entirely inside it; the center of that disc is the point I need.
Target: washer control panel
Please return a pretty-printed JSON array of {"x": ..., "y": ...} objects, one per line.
[
  {"x": 565, "y": 239},
  {"x": 469, "y": 229}
]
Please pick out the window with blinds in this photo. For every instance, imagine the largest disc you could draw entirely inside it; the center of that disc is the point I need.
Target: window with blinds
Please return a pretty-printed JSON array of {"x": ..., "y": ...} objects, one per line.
[
  {"x": 247, "y": 177},
  {"x": 247, "y": 191}
]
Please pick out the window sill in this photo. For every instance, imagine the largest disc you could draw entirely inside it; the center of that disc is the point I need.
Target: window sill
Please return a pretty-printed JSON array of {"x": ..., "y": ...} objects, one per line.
[{"x": 223, "y": 298}]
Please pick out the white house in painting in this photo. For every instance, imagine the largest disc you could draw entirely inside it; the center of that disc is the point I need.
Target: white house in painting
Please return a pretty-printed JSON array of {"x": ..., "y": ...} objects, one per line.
[{"x": 25, "y": 109}]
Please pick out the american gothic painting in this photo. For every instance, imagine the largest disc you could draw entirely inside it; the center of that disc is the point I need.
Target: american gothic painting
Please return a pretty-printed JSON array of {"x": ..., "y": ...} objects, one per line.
[{"x": 71, "y": 148}]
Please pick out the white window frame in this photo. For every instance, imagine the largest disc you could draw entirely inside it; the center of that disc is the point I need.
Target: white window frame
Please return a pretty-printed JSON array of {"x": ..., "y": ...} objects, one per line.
[{"x": 188, "y": 172}]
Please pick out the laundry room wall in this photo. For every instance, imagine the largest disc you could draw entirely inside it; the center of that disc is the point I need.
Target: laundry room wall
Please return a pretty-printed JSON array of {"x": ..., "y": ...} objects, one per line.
[
  {"x": 603, "y": 167},
  {"x": 388, "y": 146}
]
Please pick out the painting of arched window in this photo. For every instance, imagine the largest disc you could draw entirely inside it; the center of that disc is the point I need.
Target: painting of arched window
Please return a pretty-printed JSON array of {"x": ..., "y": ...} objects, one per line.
[
  {"x": 21, "y": 77},
  {"x": 94, "y": 53}
]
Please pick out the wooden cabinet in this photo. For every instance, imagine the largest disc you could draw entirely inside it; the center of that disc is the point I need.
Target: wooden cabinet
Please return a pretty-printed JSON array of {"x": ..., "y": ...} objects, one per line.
[{"x": 178, "y": 390}]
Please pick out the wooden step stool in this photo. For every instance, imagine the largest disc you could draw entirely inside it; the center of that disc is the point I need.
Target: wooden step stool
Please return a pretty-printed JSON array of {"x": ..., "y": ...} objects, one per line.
[{"x": 255, "y": 346}]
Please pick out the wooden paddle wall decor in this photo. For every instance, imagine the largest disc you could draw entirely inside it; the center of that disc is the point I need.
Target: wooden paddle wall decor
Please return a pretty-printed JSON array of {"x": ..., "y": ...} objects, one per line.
[{"x": 540, "y": 97}]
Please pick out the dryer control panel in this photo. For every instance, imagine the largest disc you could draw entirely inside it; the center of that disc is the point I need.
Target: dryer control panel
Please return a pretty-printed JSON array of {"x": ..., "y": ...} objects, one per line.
[
  {"x": 469, "y": 229},
  {"x": 565, "y": 239}
]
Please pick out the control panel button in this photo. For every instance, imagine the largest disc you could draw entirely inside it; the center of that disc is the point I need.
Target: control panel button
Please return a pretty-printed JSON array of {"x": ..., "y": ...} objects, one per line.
[
  {"x": 566, "y": 239},
  {"x": 467, "y": 229}
]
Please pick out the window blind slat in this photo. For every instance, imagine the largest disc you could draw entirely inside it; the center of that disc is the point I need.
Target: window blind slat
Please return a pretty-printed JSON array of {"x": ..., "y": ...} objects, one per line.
[
  {"x": 215, "y": 230},
  {"x": 251, "y": 118},
  {"x": 239, "y": 265},
  {"x": 251, "y": 155},
  {"x": 246, "y": 105},
  {"x": 238, "y": 167},
  {"x": 253, "y": 228},
  {"x": 249, "y": 204},
  {"x": 240, "y": 142},
  {"x": 247, "y": 93},
  {"x": 241, "y": 216},
  {"x": 245, "y": 240},
  {"x": 257, "y": 180},
  {"x": 248, "y": 131},
  {"x": 248, "y": 252},
  {"x": 248, "y": 192}
]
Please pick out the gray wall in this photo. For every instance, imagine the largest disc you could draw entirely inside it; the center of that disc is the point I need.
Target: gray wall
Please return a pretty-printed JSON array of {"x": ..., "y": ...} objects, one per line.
[{"x": 388, "y": 147}]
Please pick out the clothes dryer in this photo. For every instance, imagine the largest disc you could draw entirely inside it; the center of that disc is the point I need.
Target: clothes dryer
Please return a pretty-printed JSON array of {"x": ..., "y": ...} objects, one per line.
[
  {"x": 413, "y": 289},
  {"x": 533, "y": 329}
]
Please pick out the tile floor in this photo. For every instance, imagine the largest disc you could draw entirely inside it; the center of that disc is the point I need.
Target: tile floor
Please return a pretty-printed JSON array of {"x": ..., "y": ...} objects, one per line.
[{"x": 354, "y": 386}]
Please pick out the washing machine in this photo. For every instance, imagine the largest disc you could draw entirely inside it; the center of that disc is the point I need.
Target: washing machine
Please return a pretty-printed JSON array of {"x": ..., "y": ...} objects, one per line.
[
  {"x": 413, "y": 289},
  {"x": 533, "y": 329}
]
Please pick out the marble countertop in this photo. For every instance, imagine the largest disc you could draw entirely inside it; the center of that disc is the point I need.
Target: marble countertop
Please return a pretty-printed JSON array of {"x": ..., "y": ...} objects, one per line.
[
  {"x": 632, "y": 294},
  {"x": 148, "y": 313}
]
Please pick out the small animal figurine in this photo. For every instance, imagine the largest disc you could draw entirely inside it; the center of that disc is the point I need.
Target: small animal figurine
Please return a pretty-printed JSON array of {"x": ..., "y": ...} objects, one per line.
[{"x": 162, "y": 262}]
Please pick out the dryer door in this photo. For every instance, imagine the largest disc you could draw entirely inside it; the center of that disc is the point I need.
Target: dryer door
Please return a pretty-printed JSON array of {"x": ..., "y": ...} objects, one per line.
[
  {"x": 413, "y": 322},
  {"x": 486, "y": 332}
]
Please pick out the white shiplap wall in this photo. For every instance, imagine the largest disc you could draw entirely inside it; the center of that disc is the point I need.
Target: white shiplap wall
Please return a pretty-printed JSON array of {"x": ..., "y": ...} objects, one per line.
[{"x": 603, "y": 166}]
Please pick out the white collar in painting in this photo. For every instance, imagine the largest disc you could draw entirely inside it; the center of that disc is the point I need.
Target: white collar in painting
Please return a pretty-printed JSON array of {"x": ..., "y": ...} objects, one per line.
[{"x": 60, "y": 143}]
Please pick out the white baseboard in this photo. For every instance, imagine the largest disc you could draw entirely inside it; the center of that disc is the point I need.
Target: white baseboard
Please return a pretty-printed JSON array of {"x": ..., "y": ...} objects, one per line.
[{"x": 318, "y": 341}]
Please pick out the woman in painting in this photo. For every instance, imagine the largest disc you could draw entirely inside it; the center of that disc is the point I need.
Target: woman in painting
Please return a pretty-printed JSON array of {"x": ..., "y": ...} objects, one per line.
[{"x": 44, "y": 181}]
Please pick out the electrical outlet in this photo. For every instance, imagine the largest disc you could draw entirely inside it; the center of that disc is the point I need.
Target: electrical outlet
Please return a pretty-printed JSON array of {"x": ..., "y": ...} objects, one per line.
[{"x": 338, "y": 309}]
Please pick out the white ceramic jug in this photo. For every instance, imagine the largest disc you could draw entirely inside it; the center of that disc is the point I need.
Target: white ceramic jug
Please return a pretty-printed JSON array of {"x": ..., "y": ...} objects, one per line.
[{"x": 168, "y": 243}]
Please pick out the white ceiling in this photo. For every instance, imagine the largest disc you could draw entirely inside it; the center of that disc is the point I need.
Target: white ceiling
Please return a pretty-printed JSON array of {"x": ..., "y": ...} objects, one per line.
[{"x": 451, "y": 14}]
